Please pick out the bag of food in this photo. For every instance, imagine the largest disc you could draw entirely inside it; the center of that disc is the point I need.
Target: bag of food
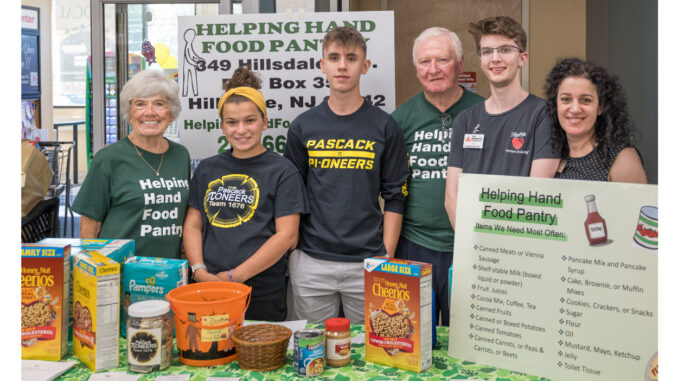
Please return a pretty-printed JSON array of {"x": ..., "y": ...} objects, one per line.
[{"x": 36, "y": 176}]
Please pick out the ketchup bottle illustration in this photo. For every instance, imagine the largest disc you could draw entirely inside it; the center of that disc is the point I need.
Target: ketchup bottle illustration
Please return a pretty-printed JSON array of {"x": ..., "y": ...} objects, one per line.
[{"x": 596, "y": 230}]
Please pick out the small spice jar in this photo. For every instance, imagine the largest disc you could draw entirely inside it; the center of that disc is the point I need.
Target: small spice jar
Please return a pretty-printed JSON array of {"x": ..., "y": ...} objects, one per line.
[
  {"x": 149, "y": 336},
  {"x": 337, "y": 342}
]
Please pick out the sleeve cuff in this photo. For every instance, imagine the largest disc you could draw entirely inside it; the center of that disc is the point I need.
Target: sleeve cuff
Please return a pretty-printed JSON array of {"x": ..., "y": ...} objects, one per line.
[{"x": 395, "y": 206}]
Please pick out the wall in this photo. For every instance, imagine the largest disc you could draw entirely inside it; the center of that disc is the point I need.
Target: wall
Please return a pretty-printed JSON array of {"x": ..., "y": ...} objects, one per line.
[
  {"x": 622, "y": 37},
  {"x": 46, "y": 103},
  {"x": 557, "y": 30},
  {"x": 412, "y": 17}
]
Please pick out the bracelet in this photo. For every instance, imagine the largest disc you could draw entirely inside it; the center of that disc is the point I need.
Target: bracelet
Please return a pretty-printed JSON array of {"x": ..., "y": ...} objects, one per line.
[
  {"x": 230, "y": 276},
  {"x": 197, "y": 267}
]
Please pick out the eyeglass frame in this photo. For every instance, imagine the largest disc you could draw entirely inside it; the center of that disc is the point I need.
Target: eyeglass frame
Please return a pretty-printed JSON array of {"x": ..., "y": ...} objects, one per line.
[
  {"x": 445, "y": 117},
  {"x": 145, "y": 104},
  {"x": 480, "y": 51}
]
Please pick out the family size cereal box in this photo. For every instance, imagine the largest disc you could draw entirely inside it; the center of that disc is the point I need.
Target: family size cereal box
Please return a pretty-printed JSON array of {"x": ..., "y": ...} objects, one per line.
[
  {"x": 96, "y": 306},
  {"x": 45, "y": 305},
  {"x": 398, "y": 313},
  {"x": 146, "y": 278}
]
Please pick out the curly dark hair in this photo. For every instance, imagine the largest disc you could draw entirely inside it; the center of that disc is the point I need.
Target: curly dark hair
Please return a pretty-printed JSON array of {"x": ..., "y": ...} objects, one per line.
[
  {"x": 242, "y": 77},
  {"x": 613, "y": 126}
]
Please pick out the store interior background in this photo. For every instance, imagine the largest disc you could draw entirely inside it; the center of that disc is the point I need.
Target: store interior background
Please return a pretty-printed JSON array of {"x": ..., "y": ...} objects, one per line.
[{"x": 620, "y": 35}]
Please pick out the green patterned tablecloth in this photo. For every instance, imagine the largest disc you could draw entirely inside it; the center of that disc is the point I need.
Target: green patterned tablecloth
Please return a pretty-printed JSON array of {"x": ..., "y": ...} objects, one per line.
[{"x": 444, "y": 368}]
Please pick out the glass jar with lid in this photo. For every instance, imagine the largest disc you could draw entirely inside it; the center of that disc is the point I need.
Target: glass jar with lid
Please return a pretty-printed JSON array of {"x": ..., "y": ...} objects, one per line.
[
  {"x": 337, "y": 342},
  {"x": 149, "y": 336}
]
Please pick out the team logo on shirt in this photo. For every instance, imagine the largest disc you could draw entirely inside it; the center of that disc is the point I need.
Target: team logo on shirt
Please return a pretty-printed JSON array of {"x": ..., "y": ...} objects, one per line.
[
  {"x": 341, "y": 153},
  {"x": 231, "y": 200}
]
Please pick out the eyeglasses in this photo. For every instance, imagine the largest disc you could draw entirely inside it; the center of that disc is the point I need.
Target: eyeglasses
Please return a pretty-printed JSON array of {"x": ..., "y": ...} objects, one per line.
[
  {"x": 446, "y": 120},
  {"x": 141, "y": 105},
  {"x": 503, "y": 50}
]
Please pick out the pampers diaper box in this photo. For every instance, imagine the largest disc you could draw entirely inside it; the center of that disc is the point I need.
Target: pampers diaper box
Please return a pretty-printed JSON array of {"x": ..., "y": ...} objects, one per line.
[{"x": 146, "y": 278}]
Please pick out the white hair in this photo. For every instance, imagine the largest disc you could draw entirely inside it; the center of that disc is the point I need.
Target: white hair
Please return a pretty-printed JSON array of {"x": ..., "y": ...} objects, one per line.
[
  {"x": 150, "y": 83},
  {"x": 433, "y": 32}
]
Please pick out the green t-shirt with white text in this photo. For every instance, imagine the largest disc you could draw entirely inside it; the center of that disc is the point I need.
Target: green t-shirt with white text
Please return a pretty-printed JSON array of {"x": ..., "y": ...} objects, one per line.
[
  {"x": 122, "y": 192},
  {"x": 428, "y": 144}
]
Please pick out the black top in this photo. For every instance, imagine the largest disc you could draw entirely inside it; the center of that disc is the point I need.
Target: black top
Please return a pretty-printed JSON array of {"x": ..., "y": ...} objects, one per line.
[
  {"x": 347, "y": 161},
  {"x": 239, "y": 200},
  {"x": 589, "y": 167}
]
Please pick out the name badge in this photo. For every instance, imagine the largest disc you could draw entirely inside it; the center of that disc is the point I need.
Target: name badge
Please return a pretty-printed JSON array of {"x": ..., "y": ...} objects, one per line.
[{"x": 474, "y": 141}]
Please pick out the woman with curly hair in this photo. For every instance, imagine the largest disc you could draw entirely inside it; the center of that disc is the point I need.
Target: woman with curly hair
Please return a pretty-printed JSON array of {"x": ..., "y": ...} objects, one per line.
[
  {"x": 590, "y": 124},
  {"x": 244, "y": 205},
  {"x": 137, "y": 188}
]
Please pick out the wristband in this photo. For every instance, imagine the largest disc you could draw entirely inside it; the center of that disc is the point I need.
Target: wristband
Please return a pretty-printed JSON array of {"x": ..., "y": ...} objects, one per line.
[
  {"x": 197, "y": 267},
  {"x": 230, "y": 276}
]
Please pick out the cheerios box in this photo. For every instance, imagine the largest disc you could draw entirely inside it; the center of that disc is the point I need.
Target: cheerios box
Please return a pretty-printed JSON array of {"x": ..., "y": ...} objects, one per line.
[
  {"x": 96, "y": 306},
  {"x": 398, "y": 313},
  {"x": 146, "y": 278},
  {"x": 45, "y": 306},
  {"x": 116, "y": 249}
]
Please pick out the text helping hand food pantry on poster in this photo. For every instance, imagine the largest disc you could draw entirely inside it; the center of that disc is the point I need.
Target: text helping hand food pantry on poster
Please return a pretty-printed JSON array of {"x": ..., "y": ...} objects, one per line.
[
  {"x": 285, "y": 52},
  {"x": 556, "y": 278}
]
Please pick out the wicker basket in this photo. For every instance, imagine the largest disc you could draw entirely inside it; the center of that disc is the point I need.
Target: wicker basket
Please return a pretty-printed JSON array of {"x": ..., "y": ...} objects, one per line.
[{"x": 261, "y": 347}]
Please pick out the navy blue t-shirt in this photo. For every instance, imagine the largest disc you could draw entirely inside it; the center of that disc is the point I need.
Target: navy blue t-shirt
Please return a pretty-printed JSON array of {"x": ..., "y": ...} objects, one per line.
[{"x": 239, "y": 200}]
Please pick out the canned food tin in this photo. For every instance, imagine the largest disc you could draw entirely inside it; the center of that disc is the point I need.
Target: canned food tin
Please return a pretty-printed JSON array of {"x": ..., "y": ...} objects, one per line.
[
  {"x": 309, "y": 352},
  {"x": 647, "y": 229}
]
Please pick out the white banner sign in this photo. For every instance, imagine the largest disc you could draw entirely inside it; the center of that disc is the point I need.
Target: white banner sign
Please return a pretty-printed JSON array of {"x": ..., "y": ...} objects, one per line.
[
  {"x": 556, "y": 278},
  {"x": 284, "y": 51}
]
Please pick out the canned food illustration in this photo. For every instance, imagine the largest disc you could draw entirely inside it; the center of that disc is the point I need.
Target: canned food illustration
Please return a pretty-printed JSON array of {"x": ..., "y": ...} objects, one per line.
[{"x": 647, "y": 228}]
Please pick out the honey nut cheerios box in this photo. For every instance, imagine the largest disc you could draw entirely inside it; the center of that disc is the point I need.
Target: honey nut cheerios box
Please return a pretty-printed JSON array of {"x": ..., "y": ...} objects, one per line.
[
  {"x": 398, "y": 329},
  {"x": 44, "y": 301},
  {"x": 96, "y": 310}
]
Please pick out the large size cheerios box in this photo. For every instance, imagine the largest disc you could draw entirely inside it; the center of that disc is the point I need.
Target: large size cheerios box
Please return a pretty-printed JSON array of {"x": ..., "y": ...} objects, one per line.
[
  {"x": 96, "y": 310},
  {"x": 146, "y": 278},
  {"x": 44, "y": 301},
  {"x": 398, "y": 313}
]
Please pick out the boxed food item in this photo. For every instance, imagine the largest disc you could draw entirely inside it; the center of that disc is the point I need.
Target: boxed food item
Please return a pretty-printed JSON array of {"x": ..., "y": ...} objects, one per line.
[
  {"x": 96, "y": 306},
  {"x": 146, "y": 278},
  {"x": 45, "y": 306},
  {"x": 398, "y": 330},
  {"x": 116, "y": 249}
]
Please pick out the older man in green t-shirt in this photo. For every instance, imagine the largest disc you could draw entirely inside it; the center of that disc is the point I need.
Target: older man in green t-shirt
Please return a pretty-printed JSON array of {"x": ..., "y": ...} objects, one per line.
[{"x": 426, "y": 121}]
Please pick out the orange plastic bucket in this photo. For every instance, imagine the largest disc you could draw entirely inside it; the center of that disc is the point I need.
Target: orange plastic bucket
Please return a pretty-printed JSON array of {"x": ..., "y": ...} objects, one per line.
[{"x": 205, "y": 316}]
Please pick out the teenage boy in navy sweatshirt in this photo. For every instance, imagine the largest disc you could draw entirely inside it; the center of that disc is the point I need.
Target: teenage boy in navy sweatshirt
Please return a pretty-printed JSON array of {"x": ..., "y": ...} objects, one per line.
[{"x": 349, "y": 152}]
